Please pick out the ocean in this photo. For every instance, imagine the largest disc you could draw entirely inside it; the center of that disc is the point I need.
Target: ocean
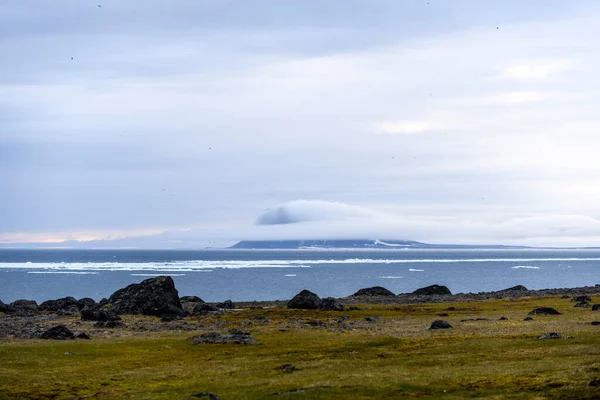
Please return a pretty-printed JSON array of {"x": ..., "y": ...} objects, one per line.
[{"x": 246, "y": 275}]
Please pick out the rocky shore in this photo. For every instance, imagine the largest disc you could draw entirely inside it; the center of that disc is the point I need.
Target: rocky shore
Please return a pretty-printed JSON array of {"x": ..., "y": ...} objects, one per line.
[{"x": 158, "y": 297}]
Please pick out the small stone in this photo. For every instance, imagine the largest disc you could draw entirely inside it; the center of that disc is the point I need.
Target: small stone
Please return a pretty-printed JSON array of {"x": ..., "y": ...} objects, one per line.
[
  {"x": 551, "y": 335},
  {"x": 582, "y": 304},
  {"x": 595, "y": 383},
  {"x": 83, "y": 335},
  {"x": 595, "y": 322},
  {"x": 68, "y": 353},
  {"x": 440, "y": 324},
  {"x": 544, "y": 311},
  {"x": 596, "y": 307},
  {"x": 109, "y": 324},
  {"x": 504, "y": 319},
  {"x": 579, "y": 299},
  {"x": 286, "y": 368},
  {"x": 528, "y": 319},
  {"x": 372, "y": 319},
  {"x": 443, "y": 315},
  {"x": 207, "y": 395}
]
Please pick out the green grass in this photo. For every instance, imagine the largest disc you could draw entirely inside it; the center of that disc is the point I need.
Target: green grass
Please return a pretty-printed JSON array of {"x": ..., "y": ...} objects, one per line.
[{"x": 396, "y": 357}]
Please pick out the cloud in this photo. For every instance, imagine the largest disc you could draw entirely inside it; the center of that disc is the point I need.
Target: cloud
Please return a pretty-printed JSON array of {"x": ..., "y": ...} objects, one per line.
[
  {"x": 313, "y": 210},
  {"x": 539, "y": 69},
  {"x": 403, "y": 127},
  {"x": 516, "y": 98}
]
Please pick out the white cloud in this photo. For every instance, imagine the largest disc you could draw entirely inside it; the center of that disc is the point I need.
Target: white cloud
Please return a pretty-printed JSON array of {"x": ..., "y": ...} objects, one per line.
[
  {"x": 539, "y": 69},
  {"x": 515, "y": 98},
  {"x": 403, "y": 127}
]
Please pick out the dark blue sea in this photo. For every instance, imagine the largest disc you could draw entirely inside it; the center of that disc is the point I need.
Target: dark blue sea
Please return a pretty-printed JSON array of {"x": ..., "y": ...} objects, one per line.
[{"x": 245, "y": 275}]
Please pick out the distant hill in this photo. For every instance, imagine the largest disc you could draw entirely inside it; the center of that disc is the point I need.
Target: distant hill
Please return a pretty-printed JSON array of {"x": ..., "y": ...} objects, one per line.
[{"x": 354, "y": 244}]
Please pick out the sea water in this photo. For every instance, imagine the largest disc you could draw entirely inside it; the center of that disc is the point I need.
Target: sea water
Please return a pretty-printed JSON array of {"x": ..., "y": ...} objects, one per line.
[{"x": 246, "y": 275}]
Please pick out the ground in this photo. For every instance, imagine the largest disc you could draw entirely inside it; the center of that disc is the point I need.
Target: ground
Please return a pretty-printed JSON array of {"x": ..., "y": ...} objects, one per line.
[{"x": 382, "y": 351}]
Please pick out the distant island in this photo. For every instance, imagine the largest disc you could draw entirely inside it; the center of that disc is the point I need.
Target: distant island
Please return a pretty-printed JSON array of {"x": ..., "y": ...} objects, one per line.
[{"x": 356, "y": 244}]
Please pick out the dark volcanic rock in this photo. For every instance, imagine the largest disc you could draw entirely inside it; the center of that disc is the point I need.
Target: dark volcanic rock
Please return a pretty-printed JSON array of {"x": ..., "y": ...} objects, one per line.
[
  {"x": 579, "y": 299},
  {"x": 207, "y": 395},
  {"x": 4, "y": 307},
  {"x": 527, "y": 319},
  {"x": 99, "y": 314},
  {"x": 518, "y": 288},
  {"x": 203, "y": 309},
  {"x": 59, "y": 332},
  {"x": 305, "y": 300},
  {"x": 330, "y": 303},
  {"x": 83, "y": 335},
  {"x": 440, "y": 324},
  {"x": 86, "y": 302},
  {"x": 595, "y": 322},
  {"x": 595, "y": 383},
  {"x": 170, "y": 318},
  {"x": 596, "y": 307},
  {"x": 544, "y": 311},
  {"x": 374, "y": 291},
  {"x": 432, "y": 290},
  {"x": 286, "y": 368},
  {"x": 582, "y": 304},
  {"x": 109, "y": 324},
  {"x": 71, "y": 309},
  {"x": 59, "y": 304},
  {"x": 191, "y": 299},
  {"x": 226, "y": 305},
  {"x": 234, "y": 336},
  {"x": 551, "y": 335},
  {"x": 23, "y": 308},
  {"x": 154, "y": 296}
]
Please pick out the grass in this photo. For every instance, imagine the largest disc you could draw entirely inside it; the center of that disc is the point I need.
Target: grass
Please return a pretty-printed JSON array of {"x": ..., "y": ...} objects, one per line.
[{"x": 394, "y": 357}]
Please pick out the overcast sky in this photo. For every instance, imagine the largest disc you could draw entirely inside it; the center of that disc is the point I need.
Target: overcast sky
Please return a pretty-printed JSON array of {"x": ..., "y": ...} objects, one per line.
[{"x": 440, "y": 121}]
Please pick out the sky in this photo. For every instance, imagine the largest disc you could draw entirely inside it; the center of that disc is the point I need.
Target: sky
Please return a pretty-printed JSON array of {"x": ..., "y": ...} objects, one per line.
[{"x": 191, "y": 123}]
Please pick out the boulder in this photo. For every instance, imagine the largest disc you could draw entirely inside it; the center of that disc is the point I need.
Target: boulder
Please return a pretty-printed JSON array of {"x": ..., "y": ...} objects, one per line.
[
  {"x": 432, "y": 290},
  {"x": 203, "y": 309},
  {"x": 68, "y": 310},
  {"x": 579, "y": 299},
  {"x": 331, "y": 304},
  {"x": 305, "y": 300},
  {"x": 374, "y": 291},
  {"x": 154, "y": 296},
  {"x": 596, "y": 307},
  {"x": 582, "y": 304},
  {"x": 59, "y": 332},
  {"x": 23, "y": 308},
  {"x": 59, "y": 304},
  {"x": 226, "y": 305},
  {"x": 233, "y": 336},
  {"x": 191, "y": 299},
  {"x": 99, "y": 314},
  {"x": 518, "y": 288},
  {"x": 5, "y": 308},
  {"x": 551, "y": 335},
  {"x": 83, "y": 335},
  {"x": 544, "y": 311},
  {"x": 86, "y": 302},
  {"x": 109, "y": 324},
  {"x": 440, "y": 324}
]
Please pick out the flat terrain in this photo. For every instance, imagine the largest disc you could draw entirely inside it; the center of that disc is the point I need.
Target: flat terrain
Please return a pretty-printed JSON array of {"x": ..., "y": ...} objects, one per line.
[{"x": 381, "y": 351}]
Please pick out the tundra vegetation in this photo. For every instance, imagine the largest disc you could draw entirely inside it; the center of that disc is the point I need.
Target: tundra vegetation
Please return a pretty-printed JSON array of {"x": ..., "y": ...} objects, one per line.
[{"x": 370, "y": 351}]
